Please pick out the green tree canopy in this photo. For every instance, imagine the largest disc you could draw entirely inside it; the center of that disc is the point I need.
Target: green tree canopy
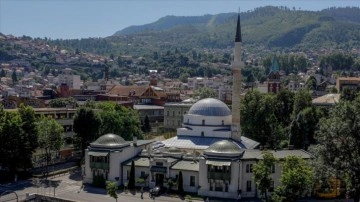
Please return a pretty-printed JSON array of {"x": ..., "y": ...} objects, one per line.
[
  {"x": 311, "y": 83},
  {"x": 11, "y": 141},
  {"x": 262, "y": 171},
  {"x": 51, "y": 136},
  {"x": 86, "y": 126},
  {"x": 303, "y": 127},
  {"x": 180, "y": 183},
  {"x": 260, "y": 110},
  {"x": 30, "y": 134},
  {"x": 296, "y": 180},
  {"x": 131, "y": 183},
  {"x": 62, "y": 102},
  {"x": 339, "y": 141},
  {"x": 205, "y": 92},
  {"x": 111, "y": 188}
]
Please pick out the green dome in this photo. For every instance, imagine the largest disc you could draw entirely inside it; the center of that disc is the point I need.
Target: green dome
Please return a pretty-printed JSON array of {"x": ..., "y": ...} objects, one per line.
[
  {"x": 224, "y": 148},
  {"x": 109, "y": 140}
]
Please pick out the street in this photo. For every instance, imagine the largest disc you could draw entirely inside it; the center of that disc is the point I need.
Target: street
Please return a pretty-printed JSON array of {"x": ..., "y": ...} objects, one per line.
[{"x": 69, "y": 186}]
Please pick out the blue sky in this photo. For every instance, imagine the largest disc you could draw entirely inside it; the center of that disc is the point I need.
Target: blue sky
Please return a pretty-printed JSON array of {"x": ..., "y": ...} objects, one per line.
[{"x": 100, "y": 18}]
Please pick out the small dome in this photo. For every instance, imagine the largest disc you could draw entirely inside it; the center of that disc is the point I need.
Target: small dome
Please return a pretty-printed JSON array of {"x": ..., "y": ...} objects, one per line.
[
  {"x": 109, "y": 140},
  {"x": 210, "y": 107},
  {"x": 224, "y": 148}
]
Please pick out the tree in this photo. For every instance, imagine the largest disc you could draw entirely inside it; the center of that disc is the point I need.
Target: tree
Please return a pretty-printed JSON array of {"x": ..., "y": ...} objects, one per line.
[
  {"x": 180, "y": 184},
  {"x": 2, "y": 73},
  {"x": 338, "y": 138},
  {"x": 349, "y": 94},
  {"x": 14, "y": 77},
  {"x": 284, "y": 106},
  {"x": 302, "y": 129},
  {"x": 260, "y": 109},
  {"x": 86, "y": 126},
  {"x": 50, "y": 136},
  {"x": 10, "y": 144},
  {"x": 131, "y": 183},
  {"x": 296, "y": 180},
  {"x": 62, "y": 102},
  {"x": 117, "y": 119},
  {"x": 29, "y": 141},
  {"x": 132, "y": 124},
  {"x": 262, "y": 171},
  {"x": 205, "y": 92},
  {"x": 147, "y": 126},
  {"x": 302, "y": 100},
  {"x": 171, "y": 182},
  {"x": 111, "y": 188},
  {"x": 311, "y": 83},
  {"x": 140, "y": 181}
]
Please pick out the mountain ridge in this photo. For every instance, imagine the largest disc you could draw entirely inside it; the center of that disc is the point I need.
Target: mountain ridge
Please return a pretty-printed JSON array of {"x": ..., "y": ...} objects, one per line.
[{"x": 272, "y": 26}]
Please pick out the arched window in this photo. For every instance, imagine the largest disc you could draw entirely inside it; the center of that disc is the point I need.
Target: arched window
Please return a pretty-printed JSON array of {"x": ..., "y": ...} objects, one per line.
[{"x": 203, "y": 122}]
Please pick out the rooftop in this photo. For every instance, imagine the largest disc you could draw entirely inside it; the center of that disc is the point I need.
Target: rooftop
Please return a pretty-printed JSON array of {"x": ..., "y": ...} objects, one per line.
[
  {"x": 279, "y": 154},
  {"x": 186, "y": 165},
  {"x": 224, "y": 148},
  {"x": 328, "y": 99},
  {"x": 210, "y": 107},
  {"x": 109, "y": 140},
  {"x": 202, "y": 143}
]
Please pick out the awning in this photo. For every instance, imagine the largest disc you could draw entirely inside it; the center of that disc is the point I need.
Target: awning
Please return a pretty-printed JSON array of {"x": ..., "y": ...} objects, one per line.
[
  {"x": 218, "y": 163},
  {"x": 158, "y": 169},
  {"x": 98, "y": 153}
]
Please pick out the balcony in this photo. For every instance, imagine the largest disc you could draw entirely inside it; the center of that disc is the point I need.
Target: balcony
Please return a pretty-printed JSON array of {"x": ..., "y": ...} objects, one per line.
[
  {"x": 219, "y": 175},
  {"x": 99, "y": 165}
]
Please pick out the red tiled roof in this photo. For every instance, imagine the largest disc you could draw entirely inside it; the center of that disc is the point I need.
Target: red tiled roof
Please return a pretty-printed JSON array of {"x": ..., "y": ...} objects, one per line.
[{"x": 124, "y": 90}]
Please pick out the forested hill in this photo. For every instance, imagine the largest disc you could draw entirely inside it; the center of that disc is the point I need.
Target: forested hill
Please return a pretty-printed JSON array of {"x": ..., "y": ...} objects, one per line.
[
  {"x": 269, "y": 26},
  {"x": 263, "y": 28}
]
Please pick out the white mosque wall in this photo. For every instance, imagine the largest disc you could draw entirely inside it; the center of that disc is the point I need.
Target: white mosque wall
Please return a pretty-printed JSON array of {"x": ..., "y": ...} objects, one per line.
[
  {"x": 192, "y": 119},
  {"x": 186, "y": 180},
  {"x": 115, "y": 159},
  {"x": 204, "y": 131},
  {"x": 138, "y": 171},
  {"x": 233, "y": 185},
  {"x": 88, "y": 177},
  {"x": 245, "y": 177}
]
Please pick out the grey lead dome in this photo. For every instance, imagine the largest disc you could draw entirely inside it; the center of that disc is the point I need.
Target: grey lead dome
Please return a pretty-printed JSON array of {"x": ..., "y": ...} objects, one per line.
[
  {"x": 210, "y": 107},
  {"x": 224, "y": 147},
  {"x": 109, "y": 140}
]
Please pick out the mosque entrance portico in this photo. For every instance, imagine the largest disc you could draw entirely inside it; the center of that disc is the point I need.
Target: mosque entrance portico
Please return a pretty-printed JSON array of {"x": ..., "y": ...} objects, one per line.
[{"x": 159, "y": 179}]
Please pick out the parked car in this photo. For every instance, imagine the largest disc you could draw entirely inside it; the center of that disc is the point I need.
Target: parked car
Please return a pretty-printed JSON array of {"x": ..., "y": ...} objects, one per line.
[{"x": 155, "y": 191}]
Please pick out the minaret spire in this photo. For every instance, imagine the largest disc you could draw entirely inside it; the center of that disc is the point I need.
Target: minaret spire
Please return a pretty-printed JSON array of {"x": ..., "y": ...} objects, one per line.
[
  {"x": 236, "y": 65},
  {"x": 238, "y": 29}
]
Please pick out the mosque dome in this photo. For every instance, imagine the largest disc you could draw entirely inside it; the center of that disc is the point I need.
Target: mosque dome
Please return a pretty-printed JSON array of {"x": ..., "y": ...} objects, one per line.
[
  {"x": 224, "y": 148},
  {"x": 210, "y": 107},
  {"x": 108, "y": 140}
]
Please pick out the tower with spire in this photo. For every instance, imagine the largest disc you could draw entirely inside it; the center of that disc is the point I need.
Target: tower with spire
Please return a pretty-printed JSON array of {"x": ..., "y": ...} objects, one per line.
[
  {"x": 274, "y": 84},
  {"x": 236, "y": 86}
]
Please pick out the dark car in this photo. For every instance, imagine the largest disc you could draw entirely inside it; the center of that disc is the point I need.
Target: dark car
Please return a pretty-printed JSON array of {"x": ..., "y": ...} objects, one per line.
[{"x": 155, "y": 191}]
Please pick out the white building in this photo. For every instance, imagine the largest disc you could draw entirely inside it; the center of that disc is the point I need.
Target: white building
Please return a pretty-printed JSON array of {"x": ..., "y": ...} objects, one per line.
[{"x": 73, "y": 81}]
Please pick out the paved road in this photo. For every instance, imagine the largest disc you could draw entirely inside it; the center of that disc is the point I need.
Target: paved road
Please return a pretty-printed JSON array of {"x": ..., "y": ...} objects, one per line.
[{"x": 70, "y": 187}]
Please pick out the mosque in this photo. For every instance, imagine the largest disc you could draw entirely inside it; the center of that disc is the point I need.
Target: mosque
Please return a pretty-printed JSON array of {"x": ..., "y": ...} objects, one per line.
[{"x": 213, "y": 157}]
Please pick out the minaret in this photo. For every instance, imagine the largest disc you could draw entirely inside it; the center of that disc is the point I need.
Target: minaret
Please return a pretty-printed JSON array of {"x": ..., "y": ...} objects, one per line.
[{"x": 236, "y": 70}]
